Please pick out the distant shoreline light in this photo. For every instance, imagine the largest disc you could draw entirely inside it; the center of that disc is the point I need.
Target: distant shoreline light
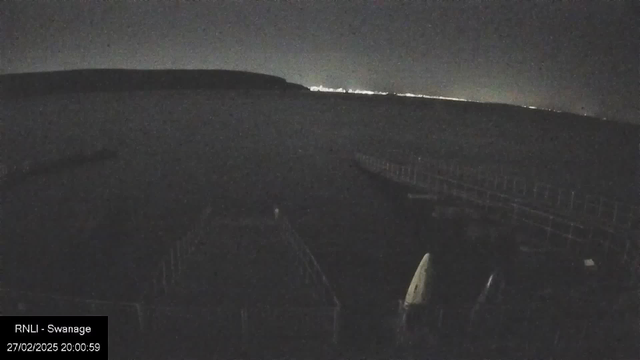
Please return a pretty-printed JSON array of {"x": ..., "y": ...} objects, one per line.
[{"x": 369, "y": 92}]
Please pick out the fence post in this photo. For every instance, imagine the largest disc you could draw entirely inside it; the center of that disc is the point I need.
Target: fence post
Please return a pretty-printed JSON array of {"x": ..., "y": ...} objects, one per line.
[
  {"x": 571, "y": 232},
  {"x": 586, "y": 204},
  {"x": 336, "y": 325},
  {"x": 558, "y": 203},
  {"x": 573, "y": 193},
  {"x": 154, "y": 288},
  {"x": 245, "y": 328},
  {"x": 141, "y": 319},
  {"x": 549, "y": 231},
  {"x": 626, "y": 251},
  {"x": 188, "y": 242},
  {"x": 528, "y": 326},
  {"x": 600, "y": 207},
  {"x": 546, "y": 193},
  {"x": 164, "y": 277},
  {"x": 179, "y": 256},
  {"x": 173, "y": 271}
]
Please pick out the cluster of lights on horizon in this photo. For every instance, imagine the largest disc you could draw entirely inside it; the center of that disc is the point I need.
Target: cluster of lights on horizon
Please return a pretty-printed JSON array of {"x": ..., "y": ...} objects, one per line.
[{"x": 369, "y": 92}]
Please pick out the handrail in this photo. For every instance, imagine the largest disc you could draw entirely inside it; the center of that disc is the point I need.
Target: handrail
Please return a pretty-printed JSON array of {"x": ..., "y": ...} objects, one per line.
[
  {"x": 170, "y": 266},
  {"x": 614, "y": 213},
  {"x": 305, "y": 250},
  {"x": 415, "y": 176}
]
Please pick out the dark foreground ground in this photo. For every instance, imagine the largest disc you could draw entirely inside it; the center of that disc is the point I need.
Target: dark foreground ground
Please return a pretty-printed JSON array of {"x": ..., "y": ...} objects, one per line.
[{"x": 99, "y": 231}]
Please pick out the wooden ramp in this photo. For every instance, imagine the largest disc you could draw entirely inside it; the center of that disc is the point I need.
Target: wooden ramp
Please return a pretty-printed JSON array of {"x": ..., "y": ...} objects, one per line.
[
  {"x": 241, "y": 262},
  {"x": 235, "y": 285},
  {"x": 577, "y": 204}
]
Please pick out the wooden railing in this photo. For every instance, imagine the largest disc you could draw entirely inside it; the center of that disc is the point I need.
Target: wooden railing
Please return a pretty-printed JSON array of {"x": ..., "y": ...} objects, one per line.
[
  {"x": 310, "y": 274},
  {"x": 171, "y": 266},
  {"x": 555, "y": 230},
  {"x": 616, "y": 215}
]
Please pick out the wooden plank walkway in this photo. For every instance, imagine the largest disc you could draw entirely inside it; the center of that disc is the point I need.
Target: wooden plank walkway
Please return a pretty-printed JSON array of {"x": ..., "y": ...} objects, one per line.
[{"x": 242, "y": 262}]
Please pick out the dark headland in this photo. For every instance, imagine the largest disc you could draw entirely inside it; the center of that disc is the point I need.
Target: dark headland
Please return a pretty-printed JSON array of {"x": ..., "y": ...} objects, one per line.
[{"x": 113, "y": 80}]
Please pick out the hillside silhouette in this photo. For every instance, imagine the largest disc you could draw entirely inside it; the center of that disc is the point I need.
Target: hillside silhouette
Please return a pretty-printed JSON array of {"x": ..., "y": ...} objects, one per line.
[{"x": 115, "y": 80}]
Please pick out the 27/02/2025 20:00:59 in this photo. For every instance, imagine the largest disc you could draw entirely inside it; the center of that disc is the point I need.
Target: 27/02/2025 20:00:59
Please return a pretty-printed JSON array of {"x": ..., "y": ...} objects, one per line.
[{"x": 64, "y": 347}]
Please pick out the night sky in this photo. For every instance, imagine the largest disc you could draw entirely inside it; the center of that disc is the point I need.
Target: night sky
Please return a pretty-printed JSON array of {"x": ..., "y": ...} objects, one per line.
[{"x": 578, "y": 56}]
